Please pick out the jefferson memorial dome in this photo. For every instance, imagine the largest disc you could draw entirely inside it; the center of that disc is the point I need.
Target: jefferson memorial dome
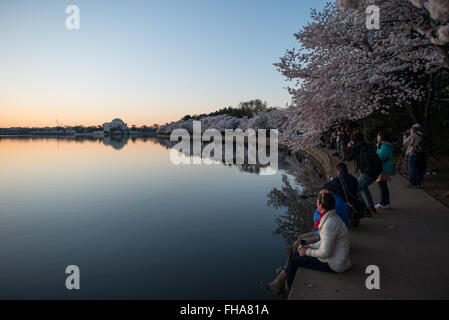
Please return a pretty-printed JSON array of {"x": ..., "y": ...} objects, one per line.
[{"x": 116, "y": 125}]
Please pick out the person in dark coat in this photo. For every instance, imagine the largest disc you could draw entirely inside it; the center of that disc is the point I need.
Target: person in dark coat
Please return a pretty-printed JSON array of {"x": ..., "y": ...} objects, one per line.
[
  {"x": 368, "y": 164},
  {"x": 351, "y": 183}
]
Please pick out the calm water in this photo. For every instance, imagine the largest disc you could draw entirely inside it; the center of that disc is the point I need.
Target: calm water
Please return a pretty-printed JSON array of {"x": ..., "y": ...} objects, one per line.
[{"x": 137, "y": 226}]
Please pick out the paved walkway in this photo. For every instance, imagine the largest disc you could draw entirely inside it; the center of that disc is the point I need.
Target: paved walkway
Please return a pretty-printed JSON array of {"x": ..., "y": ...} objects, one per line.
[{"x": 410, "y": 244}]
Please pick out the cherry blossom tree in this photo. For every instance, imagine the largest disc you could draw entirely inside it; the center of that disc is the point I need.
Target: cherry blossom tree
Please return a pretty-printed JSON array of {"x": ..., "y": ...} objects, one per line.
[{"x": 344, "y": 71}]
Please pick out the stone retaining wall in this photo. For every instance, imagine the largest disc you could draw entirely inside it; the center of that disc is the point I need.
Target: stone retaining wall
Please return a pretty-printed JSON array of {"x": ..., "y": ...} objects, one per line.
[{"x": 320, "y": 158}]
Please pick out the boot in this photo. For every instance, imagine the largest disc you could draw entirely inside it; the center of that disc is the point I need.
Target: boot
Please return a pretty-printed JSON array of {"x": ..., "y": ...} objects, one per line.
[
  {"x": 279, "y": 270},
  {"x": 277, "y": 285}
]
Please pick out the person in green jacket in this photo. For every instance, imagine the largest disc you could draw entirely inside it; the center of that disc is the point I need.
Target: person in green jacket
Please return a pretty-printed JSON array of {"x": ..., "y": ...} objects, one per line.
[{"x": 385, "y": 152}]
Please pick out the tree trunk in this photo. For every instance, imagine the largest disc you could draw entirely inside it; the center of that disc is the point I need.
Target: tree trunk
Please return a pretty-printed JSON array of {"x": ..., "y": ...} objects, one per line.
[
  {"x": 411, "y": 109},
  {"x": 427, "y": 114}
]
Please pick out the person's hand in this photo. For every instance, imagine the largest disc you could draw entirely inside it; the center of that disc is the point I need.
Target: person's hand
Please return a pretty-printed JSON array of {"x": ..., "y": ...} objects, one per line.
[
  {"x": 305, "y": 247},
  {"x": 303, "y": 250}
]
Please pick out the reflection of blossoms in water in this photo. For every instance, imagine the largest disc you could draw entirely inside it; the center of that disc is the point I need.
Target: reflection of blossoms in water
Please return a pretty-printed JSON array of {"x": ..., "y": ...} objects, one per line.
[
  {"x": 248, "y": 168},
  {"x": 299, "y": 201},
  {"x": 299, "y": 204},
  {"x": 238, "y": 156},
  {"x": 298, "y": 217}
]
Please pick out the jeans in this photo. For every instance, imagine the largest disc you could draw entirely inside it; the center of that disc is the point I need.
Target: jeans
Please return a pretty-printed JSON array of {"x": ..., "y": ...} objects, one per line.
[
  {"x": 384, "y": 193},
  {"x": 304, "y": 262},
  {"x": 415, "y": 170},
  {"x": 364, "y": 182},
  {"x": 423, "y": 166}
]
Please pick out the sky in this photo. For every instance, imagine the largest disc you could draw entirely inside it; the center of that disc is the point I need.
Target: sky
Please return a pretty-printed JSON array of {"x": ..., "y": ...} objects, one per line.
[{"x": 144, "y": 61}]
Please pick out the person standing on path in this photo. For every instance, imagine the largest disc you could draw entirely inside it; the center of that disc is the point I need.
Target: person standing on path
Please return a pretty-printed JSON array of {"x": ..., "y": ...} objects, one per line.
[
  {"x": 423, "y": 154},
  {"x": 339, "y": 141},
  {"x": 345, "y": 138},
  {"x": 414, "y": 151},
  {"x": 333, "y": 139},
  {"x": 385, "y": 153}
]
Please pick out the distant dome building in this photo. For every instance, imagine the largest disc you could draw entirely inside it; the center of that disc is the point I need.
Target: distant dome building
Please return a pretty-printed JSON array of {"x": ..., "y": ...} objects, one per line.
[{"x": 115, "y": 126}]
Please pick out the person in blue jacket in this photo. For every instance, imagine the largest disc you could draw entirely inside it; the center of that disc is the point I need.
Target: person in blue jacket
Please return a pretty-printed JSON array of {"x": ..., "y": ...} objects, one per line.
[
  {"x": 385, "y": 151},
  {"x": 341, "y": 208}
]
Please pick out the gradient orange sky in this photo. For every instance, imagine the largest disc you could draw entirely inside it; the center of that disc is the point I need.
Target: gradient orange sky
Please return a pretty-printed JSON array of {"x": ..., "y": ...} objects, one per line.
[{"x": 149, "y": 62}]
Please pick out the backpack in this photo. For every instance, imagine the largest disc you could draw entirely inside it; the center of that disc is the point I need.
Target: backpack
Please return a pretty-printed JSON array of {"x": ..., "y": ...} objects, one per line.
[
  {"x": 369, "y": 162},
  {"x": 356, "y": 208}
]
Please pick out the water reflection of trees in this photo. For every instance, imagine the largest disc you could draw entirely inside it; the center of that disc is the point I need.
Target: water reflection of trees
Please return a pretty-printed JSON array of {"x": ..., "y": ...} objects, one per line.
[
  {"x": 298, "y": 204},
  {"x": 296, "y": 197},
  {"x": 298, "y": 216},
  {"x": 116, "y": 142},
  {"x": 242, "y": 167},
  {"x": 248, "y": 168}
]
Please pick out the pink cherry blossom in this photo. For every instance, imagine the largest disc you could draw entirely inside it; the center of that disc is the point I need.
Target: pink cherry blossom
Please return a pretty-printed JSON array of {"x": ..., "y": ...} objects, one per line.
[{"x": 343, "y": 71}]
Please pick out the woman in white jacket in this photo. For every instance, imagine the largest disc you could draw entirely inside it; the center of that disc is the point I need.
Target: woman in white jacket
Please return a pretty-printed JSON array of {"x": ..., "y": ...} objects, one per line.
[{"x": 330, "y": 254}]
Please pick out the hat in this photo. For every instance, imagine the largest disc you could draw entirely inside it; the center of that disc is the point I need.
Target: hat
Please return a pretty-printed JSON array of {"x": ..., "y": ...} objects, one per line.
[{"x": 417, "y": 126}]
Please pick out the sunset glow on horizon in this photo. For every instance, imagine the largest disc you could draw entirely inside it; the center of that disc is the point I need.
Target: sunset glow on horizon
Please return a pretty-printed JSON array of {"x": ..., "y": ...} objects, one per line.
[{"x": 146, "y": 62}]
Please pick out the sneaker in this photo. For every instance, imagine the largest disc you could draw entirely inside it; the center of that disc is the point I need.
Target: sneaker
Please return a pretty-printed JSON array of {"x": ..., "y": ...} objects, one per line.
[{"x": 382, "y": 207}]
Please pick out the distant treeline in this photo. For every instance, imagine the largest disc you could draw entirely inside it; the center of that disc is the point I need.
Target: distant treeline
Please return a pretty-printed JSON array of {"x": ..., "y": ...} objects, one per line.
[
  {"x": 33, "y": 130},
  {"x": 245, "y": 109},
  {"x": 145, "y": 129},
  {"x": 70, "y": 130}
]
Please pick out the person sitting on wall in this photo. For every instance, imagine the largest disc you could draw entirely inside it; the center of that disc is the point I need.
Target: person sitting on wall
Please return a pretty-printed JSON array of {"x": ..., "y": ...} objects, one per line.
[
  {"x": 350, "y": 182},
  {"x": 348, "y": 189},
  {"x": 341, "y": 208},
  {"x": 330, "y": 254}
]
